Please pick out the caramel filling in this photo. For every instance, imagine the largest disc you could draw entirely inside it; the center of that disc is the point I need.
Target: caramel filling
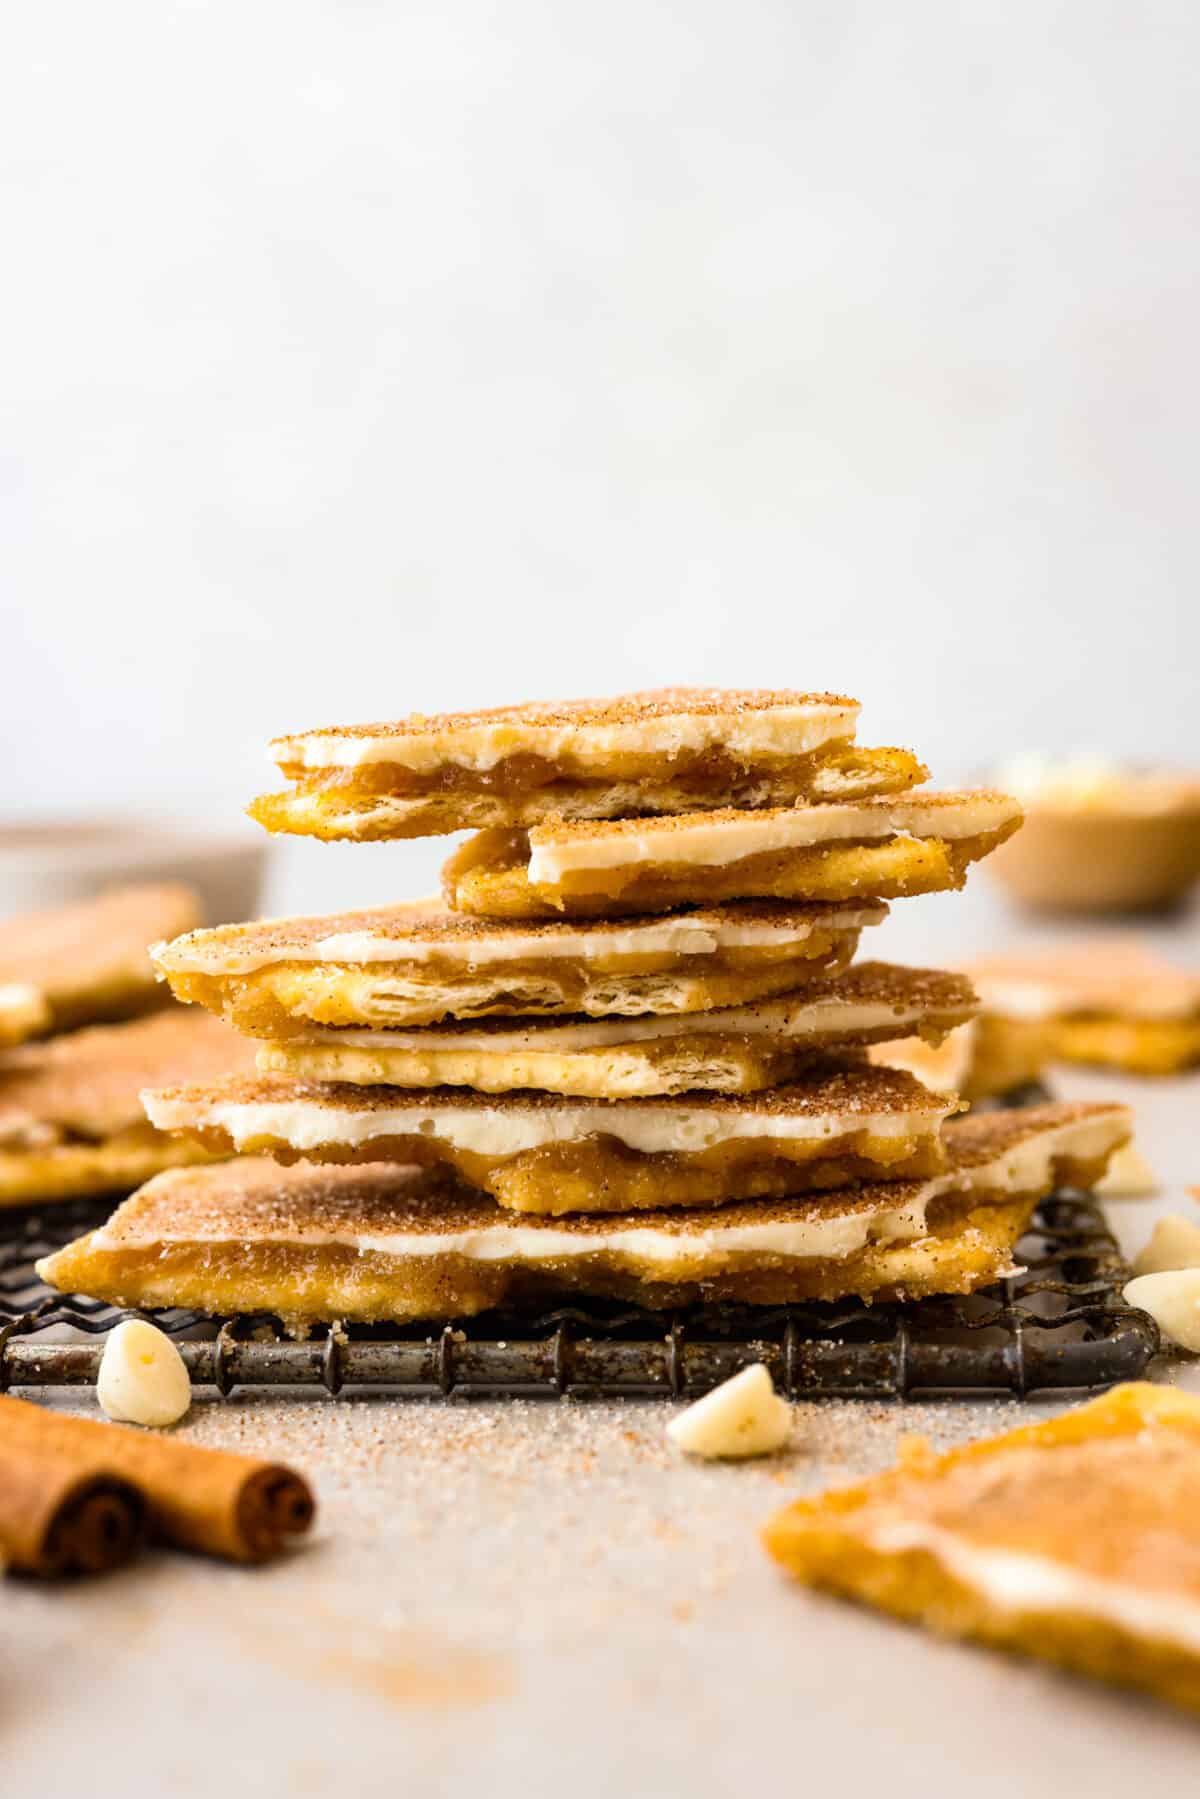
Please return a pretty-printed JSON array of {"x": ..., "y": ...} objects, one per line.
[
  {"x": 706, "y": 771},
  {"x": 601, "y": 1174}
]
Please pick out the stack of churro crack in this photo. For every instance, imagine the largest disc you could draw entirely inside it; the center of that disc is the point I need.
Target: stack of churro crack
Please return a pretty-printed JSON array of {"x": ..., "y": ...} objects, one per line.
[{"x": 625, "y": 1056}]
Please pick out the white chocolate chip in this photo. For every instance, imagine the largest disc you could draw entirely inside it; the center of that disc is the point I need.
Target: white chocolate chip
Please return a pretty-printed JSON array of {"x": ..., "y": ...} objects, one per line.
[
  {"x": 1128, "y": 1176},
  {"x": 1174, "y": 1244},
  {"x": 742, "y": 1417},
  {"x": 1173, "y": 1301},
  {"x": 142, "y": 1379}
]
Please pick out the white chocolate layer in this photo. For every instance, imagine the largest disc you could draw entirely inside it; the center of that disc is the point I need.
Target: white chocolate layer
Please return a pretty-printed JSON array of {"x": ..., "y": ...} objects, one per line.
[
  {"x": 697, "y": 934},
  {"x": 713, "y": 840},
  {"x": 772, "y": 731},
  {"x": 650, "y": 1129},
  {"x": 836, "y": 1235},
  {"x": 1033, "y": 1583}
]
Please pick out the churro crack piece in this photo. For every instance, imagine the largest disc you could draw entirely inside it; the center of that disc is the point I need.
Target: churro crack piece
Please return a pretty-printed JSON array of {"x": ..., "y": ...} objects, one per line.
[
  {"x": 418, "y": 963},
  {"x": 71, "y": 1117},
  {"x": 872, "y": 848},
  {"x": 1112, "y": 1001},
  {"x": 673, "y": 750},
  {"x": 736, "y": 1049},
  {"x": 381, "y": 1242},
  {"x": 1075, "y": 1540},
  {"x": 86, "y": 962},
  {"x": 546, "y": 1153}
]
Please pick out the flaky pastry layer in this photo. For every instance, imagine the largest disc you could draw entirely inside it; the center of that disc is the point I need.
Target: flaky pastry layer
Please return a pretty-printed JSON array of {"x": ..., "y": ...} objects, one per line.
[{"x": 740, "y": 1049}]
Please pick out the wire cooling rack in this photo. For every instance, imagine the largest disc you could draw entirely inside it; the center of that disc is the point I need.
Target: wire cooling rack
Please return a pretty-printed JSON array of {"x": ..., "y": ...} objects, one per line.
[{"x": 1059, "y": 1324}]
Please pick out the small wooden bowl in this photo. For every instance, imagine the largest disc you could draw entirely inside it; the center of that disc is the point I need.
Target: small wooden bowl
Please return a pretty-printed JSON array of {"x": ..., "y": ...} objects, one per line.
[{"x": 1103, "y": 856}]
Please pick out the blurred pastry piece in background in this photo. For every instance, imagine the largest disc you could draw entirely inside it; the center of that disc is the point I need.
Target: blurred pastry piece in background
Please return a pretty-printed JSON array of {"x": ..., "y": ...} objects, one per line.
[
  {"x": 23, "y": 1013},
  {"x": 71, "y": 1115},
  {"x": 988, "y": 1056},
  {"x": 1099, "y": 837},
  {"x": 1111, "y": 1001},
  {"x": 87, "y": 962}
]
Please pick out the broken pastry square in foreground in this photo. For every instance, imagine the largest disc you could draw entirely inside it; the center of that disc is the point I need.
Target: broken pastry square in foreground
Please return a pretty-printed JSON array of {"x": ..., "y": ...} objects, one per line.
[
  {"x": 71, "y": 1116},
  {"x": 1113, "y": 1001},
  {"x": 86, "y": 962},
  {"x": 1075, "y": 1540},
  {"x": 542, "y": 1152},
  {"x": 417, "y": 963},
  {"x": 735, "y": 1049},
  {"x": 873, "y": 848},
  {"x": 670, "y": 750},
  {"x": 379, "y": 1243}
]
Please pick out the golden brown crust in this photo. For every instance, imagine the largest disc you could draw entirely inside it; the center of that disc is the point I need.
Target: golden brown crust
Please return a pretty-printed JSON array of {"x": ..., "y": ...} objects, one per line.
[{"x": 1104, "y": 1495}]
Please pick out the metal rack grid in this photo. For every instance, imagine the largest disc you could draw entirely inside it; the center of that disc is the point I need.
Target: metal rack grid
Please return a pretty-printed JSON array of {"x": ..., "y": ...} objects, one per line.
[{"x": 1060, "y": 1324}]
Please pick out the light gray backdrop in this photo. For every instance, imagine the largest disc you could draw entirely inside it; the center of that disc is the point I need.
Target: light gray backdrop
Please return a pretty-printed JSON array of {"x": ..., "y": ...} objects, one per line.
[{"x": 368, "y": 357}]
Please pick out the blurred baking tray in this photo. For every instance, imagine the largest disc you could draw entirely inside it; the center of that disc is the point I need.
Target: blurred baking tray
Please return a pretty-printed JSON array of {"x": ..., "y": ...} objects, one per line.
[{"x": 1060, "y": 1324}]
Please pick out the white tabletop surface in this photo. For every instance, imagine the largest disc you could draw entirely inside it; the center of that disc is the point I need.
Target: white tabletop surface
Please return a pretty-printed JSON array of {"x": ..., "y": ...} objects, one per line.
[{"x": 540, "y": 1597}]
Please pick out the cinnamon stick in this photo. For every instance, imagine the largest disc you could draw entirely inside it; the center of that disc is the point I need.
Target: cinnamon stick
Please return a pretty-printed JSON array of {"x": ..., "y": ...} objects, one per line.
[
  {"x": 56, "y": 1518},
  {"x": 235, "y": 1506}
]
